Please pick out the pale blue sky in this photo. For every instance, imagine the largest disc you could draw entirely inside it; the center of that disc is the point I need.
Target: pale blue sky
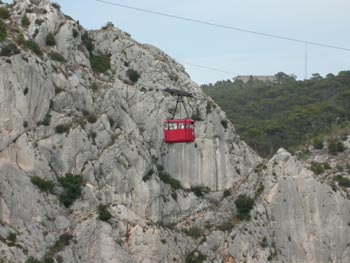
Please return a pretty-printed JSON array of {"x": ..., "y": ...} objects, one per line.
[{"x": 325, "y": 21}]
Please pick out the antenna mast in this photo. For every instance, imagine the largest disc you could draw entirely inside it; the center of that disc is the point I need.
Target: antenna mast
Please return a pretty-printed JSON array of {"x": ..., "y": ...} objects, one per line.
[{"x": 305, "y": 61}]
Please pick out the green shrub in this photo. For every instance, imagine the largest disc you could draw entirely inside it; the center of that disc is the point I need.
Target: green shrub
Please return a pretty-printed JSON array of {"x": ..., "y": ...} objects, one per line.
[
  {"x": 72, "y": 187},
  {"x": 160, "y": 167},
  {"x": 25, "y": 21},
  {"x": 244, "y": 204},
  {"x": 133, "y": 75},
  {"x": 47, "y": 259},
  {"x": 57, "y": 57},
  {"x": 4, "y": 13},
  {"x": 100, "y": 63},
  {"x": 87, "y": 42},
  {"x": 194, "y": 232},
  {"x": 94, "y": 86},
  {"x": 91, "y": 118},
  {"x": 56, "y": 5},
  {"x": 21, "y": 40},
  {"x": 32, "y": 260},
  {"x": 199, "y": 190},
  {"x": 335, "y": 146},
  {"x": 46, "y": 121},
  {"x": 191, "y": 258},
  {"x": 343, "y": 181},
  {"x": 81, "y": 122},
  {"x": 173, "y": 77},
  {"x": 39, "y": 21},
  {"x": 227, "y": 193},
  {"x": 43, "y": 184},
  {"x": 93, "y": 136},
  {"x": 9, "y": 50},
  {"x": 58, "y": 90},
  {"x": 107, "y": 25},
  {"x": 226, "y": 226},
  {"x": 260, "y": 190},
  {"x": 210, "y": 107},
  {"x": 50, "y": 39},
  {"x": 36, "y": 32},
  {"x": 63, "y": 128},
  {"x": 196, "y": 115},
  {"x": 75, "y": 33},
  {"x": 33, "y": 46},
  {"x": 3, "y": 31},
  {"x": 224, "y": 124},
  {"x": 62, "y": 242},
  {"x": 148, "y": 175},
  {"x": 165, "y": 178},
  {"x": 317, "y": 168},
  {"x": 103, "y": 213},
  {"x": 12, "y": 237},
  {"x": 326, "y": 166},
  {"x": 318, "y": 143}
]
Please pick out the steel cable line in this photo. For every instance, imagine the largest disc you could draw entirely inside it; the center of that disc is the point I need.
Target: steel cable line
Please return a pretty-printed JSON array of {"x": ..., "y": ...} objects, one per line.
[
  {"x": 209, "y": 68},
  {"x": 226, "y": 27}
]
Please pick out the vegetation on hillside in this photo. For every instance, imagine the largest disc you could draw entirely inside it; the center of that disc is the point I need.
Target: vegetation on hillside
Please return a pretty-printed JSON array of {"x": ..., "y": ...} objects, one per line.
[{"x": 286, "y": 113}]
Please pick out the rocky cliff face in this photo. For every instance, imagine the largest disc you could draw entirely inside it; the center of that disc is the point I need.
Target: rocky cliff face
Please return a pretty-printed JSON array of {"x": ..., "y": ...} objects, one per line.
[{"x": 65, "y": 111}]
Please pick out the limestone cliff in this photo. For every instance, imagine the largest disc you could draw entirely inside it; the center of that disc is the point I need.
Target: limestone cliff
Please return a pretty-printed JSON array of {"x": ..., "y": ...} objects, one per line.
[{"x": 91, "y": 104}]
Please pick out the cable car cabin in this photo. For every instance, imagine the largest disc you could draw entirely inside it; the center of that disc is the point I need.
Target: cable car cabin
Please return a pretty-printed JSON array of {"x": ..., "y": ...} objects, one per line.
[{"x": 176, "y": 131}]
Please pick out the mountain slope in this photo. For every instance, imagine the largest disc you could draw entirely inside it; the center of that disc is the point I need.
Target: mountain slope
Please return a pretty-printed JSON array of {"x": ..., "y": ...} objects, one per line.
[
  {"x": 286, "y": 113},
  {"x": 86, "y": 177}
]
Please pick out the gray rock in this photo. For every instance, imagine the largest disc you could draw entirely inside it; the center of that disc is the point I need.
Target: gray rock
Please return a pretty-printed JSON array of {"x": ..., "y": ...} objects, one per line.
[{"x": 120, "y": 156}]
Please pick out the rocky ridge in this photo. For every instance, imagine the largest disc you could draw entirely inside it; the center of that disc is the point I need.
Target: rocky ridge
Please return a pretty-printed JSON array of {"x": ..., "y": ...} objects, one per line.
[{"x": 64, "y": 111}]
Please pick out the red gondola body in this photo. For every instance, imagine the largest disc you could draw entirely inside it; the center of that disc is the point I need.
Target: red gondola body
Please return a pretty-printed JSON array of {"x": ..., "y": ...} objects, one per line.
[
  {"x": 176, "y": 131},
  {"x": 179, "y": 130}
]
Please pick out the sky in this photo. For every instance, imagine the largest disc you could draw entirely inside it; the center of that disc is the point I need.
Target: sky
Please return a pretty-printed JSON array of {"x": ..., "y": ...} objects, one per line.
[{"x": 324, "y": 21}]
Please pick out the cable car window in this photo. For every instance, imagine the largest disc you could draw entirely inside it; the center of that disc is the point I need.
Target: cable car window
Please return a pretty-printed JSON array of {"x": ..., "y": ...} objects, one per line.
[
  {"x": 166, "y": 127},
  {"x": 181, "y": 126}
]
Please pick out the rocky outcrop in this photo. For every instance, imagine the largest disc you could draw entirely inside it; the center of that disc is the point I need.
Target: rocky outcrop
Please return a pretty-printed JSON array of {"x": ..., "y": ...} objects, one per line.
[{"x": 61, "y": 115}]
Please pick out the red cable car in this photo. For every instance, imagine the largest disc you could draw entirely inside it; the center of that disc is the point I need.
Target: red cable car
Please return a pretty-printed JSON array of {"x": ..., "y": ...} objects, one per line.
[
  {"x": 176, "y": 131},
  {"x": 179, "y": 130}
]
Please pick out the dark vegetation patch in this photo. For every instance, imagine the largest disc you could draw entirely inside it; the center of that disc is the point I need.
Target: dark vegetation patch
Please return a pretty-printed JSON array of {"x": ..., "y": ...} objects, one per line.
[
  {"x": 244, "y": 205},
  {"x": 319, "y": 168},
  {"x": 286, "y": 113},
  {"x": 195, "y": 257},
  {"x": 63, "y": 128},
  {"x": 103, "y": 213},
  {"x": 200, "y": 190},
  {"x": 25, "y": 20},
  {"x": 194, "y": 232},
  {"x": 3, "y": 31},
  {"x": 165, "y": 178},
  {"x": 87, "y": 42},
  {"x": 56, "y": 5},
  {"x": 343, "y": 181},
  {"x": 9, "y": 50},
  {"x": 43, "y": 184},
  {"x": 4, "y": 13},
  {"x": 335, "y": 146},
  {"x": 148, "y": 175},
  {"x": 33, "y": 46},
  {"x": 57, "y": 57},
  {"x": 50, "y": 39},
  {"x": 133, "y": 75},
  {"x": 72, "y": 188},
  {"x": 100, "y": 63}
]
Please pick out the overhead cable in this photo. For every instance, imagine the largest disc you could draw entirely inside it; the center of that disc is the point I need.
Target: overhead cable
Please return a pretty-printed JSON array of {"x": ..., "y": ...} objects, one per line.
[
  {"x": 209, "y": 68},
  {"x": 225, "y": 26}
]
